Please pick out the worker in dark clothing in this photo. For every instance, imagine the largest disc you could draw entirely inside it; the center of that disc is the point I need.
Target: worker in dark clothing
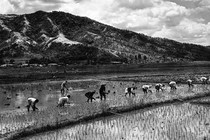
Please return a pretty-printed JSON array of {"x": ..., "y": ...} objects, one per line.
[
  {"x": 102, "y": 92},
  {"x": 89, "y": 95}
]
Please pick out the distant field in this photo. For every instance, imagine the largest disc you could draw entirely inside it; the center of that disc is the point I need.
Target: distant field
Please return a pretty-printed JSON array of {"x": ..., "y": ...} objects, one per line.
[{"x": 27, "y": 74}]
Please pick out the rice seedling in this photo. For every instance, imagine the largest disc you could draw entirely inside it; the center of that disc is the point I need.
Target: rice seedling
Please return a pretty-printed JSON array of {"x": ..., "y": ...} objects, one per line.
[{"x": 168, "y": 122}]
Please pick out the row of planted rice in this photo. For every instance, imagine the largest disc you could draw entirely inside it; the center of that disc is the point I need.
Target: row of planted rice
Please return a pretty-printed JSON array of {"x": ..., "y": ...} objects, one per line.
[
  {"x": 182, "y": 121},
  {"x": 22, "y": 120}
]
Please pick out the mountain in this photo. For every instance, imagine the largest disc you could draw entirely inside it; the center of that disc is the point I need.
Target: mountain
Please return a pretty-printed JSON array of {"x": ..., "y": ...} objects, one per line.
[{"x": 65, "y": 38}]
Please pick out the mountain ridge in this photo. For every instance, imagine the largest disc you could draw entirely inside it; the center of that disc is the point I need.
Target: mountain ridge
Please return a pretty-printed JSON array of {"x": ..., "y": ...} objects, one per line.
[{"x": 65, "y": 38}]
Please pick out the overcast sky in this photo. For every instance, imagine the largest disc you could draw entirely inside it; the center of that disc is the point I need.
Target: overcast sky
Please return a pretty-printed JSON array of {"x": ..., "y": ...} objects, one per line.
[{"x": 181, "y": 20}]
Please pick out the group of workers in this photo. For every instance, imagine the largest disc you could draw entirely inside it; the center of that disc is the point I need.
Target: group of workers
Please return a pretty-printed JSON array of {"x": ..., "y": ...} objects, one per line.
[
  {"x": 66, "y": 98},
  {"x": 102, "y": 92}
]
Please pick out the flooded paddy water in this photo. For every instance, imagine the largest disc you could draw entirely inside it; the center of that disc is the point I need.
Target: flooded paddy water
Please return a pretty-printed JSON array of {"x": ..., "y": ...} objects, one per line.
[
  {"x": 14, "y": 96},
  {"x": 14, "y": 115}
]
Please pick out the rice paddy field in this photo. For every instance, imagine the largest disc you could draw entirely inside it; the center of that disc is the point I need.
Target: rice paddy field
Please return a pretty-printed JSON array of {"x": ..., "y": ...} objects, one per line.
[
  {"x": 16, "y": 122},
  {"x": 180, "y": 114}
]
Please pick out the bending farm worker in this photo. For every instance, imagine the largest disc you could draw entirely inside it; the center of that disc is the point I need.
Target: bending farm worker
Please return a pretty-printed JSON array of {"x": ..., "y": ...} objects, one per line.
[
  {"x": 32, "y": 103},
  {"x": 63, "y": 100}
]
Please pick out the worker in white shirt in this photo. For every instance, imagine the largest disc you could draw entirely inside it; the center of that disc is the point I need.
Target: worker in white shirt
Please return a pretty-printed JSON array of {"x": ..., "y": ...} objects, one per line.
[
  {"x": 32, "y": 103},
  {"x": 63, "y": 100}
]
